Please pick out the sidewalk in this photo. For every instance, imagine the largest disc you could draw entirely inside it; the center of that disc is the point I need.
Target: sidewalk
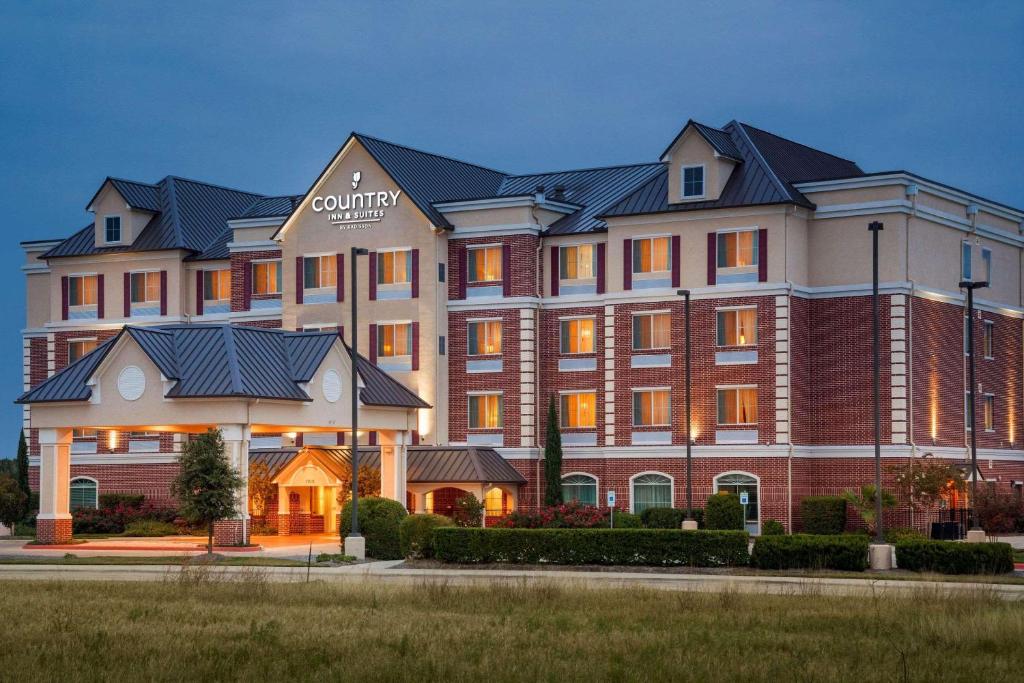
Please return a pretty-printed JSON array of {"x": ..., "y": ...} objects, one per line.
[{"x": 289, "y": 547}]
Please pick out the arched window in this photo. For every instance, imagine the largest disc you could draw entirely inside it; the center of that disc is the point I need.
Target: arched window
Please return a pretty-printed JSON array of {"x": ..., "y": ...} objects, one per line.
[
  {"x": 84, "y": 493},
  {"x": 579, "y": 487},
  {"x": 494, "y": 502},
  {"x": 737, "y": 483},
  {"x": 651, "y": 490}
]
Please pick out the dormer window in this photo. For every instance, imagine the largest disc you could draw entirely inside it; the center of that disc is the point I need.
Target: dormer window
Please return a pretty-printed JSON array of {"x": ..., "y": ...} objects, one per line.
[
  {"x": 112, "y": 229},
  {"x": 693, "y": 182}
]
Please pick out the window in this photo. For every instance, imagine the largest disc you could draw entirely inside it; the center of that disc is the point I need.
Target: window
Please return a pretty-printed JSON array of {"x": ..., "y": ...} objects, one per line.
[
  {"x": 579, "y": 410},
  {"x": 112, "y": 229},
  {"x": 651, "y": 491},
  {"x": 266, "y": 277},
  {"x": 394, "y": 267},
  {"x": 577, "y": 335},
  {"x": 651, "y": 331},
  {"x": 145, "y": 287},
  {"x": 484, "y": 338},
  {"x": 737, "y": 406},
  {"x": 693, "y": 181},
  {"x": 986, "y": 264},
  {"x": 80, "y": 433},
  {"x": 394, "y": 339},
  {"x": 83, "y": 290},
  {"x": 485, "y": 411},
  {"x": 988, "y": 415},
  {"x": 217, "y": 285},
  {"x": 578, "y": 262},
  {"x": 440, "y": 272},
  {"x": 737, "y": 327},
  {"x": 651, "y": 407},
  {"x": 968, "y": 410},
  {"x": 84, "y": 493},
  {"x": 494, "y": 502},
  {"x": 965, "y": 260},
  {"x": 580, "y": 488},
  {"x": 988, "y": 332},
  {"x": 484, "y": 264},
  {"x": 319, "y": 271},
  {"x": 652, "y": 255},
  {"x": 737, "y": 249},
  {"x": 737, "y": 483},
  {"x": 79, "y": 347},
  {"x": 441, "y": 345}
]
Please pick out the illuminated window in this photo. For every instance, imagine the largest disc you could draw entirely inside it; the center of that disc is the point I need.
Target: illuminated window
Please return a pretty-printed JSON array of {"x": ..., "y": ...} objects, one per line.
[
  {"x": 79, "y": 347},
  {"x": 737, "y": 327},
  {"x": 578, "y": 262},
  {"x": 394, "y": 339},
  {"x": 494, "y": 503},
  {"x": 80, "y": 433},
  {"x": 84, "y": 493},
  {"x": 987, "y": 339},
  {"x": 82, "y": 290},
  {"x": 483, "y": 337},
  {"x": 579, "y": 410},
  {"x": 651, "y": 407},
  {"x": 651, "y": 331},
  {"x": 651, "y": 491},
  {"x": 581, "y": 488},
  {"x": 737, "y": 406},
  {"x": 652, "y": 255},
  {"x": 577, "y": 335},
  {"x": 112, "y": 229},
  {"x": 145, "y": 288},
  {"x": 693, "y": 181},
  {"x": 485, "y": 411},
  {"x": 319, "y": 271},
  {"x": 266, "y": 277},
  {"x": 394, "y": 267},
  {"x": 737, "y": 249},
  {"x": 484, "y": 264},
  {"x": 988, "y": 414},
  {"x": 217, "y": 285}
]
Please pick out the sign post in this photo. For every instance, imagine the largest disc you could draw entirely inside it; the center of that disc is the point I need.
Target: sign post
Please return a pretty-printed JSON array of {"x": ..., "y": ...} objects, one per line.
[
  {"x": 744, "y": 500},
  {"x": 611, "y": 504}
]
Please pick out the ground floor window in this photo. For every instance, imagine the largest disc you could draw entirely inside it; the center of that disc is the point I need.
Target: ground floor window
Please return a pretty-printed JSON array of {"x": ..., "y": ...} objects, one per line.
[
  {"x": 495, "y": 503},
  {"x": 84, "y": 493},
  {"x": 581, "y": 488},
  {"x": 738, "y": 483},
  {"x": 651, "y": 491}
]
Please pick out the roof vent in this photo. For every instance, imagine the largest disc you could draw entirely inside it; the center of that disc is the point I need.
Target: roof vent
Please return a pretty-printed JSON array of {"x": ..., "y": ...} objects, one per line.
[
  {"x": 559, "y": 195},
  {"x": 538, "y": 194}
]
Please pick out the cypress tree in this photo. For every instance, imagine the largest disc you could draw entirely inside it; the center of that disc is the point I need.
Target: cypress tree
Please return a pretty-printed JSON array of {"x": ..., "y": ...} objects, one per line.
[
  {"x": 23, "y": 470},
  {"x": 553, "y": 458}
]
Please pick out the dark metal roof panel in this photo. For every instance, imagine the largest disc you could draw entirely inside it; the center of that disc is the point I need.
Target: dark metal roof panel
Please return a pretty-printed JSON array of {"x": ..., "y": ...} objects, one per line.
[
  {"x": 380, "y": 389},
  {"x": 307, "y": 351},
  {"x": 263, "y": 364},
  {"x": 204, "y": 363},
  {"x": 138, "y": 195},
  {"x": 794, "y": 162},
  {"x": 271, "y": 207},
  {"x": 69, "y": 383},
  {"x": 720, "y": 140},
  {"x": 159, "y": 346}
]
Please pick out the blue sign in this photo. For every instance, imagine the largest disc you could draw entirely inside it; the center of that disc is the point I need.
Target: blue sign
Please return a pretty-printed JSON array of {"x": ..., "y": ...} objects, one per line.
[
  {"x": 611, "y": 498},
  {"x": 744, "y": 498}
]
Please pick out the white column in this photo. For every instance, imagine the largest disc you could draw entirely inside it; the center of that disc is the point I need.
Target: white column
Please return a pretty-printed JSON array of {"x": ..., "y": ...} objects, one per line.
[
  {"x": 394, "y": 455},
  {"x": 236, "y": 447},
  {"x": 54, "y": 474}
]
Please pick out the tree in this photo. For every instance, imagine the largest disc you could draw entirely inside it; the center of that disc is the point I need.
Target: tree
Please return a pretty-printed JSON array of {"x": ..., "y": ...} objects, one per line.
[
  {"x": 261, "y": 488},
  {"x": 369, "y": 484},
  {"x": 923, "y": 482},
  {"x": 864, "y": 502},
  {"x": 468, "y": 511},
  {"x": 23, "y": 470},
  {"x": 207, "y": 485},
  {"x": 553, "y": 458},
  {"x": 12, "y": 501}
]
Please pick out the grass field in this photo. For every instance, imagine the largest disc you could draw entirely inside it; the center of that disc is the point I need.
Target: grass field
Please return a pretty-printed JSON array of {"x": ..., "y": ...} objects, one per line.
[{"x": 194, "y": 627}]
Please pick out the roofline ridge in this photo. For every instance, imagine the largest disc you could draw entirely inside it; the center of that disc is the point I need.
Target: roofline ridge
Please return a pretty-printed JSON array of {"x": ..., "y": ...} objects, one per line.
[
  {"x": 172, "y": 209},
  {"x": 764, "y": 162},
  {"x": 214, "y": 185},
  {"x": 591, "y": 168},
  {"x": 133, "y": 182},
  {"x": 229, "y": 344},
  {"x": 357, "y": 135},
  {"x": 794, "y": 142}
]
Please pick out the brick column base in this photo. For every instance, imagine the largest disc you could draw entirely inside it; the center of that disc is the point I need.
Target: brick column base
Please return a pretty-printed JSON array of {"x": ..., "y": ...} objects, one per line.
[
  {"x": 283, "y": 525},
  {"x": 53, "y": 531},
  {"x": 229, "y": 532}
]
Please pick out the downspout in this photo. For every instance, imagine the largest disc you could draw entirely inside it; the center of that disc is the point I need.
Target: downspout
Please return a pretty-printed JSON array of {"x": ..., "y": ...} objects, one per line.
[
  {"x": 539, "y": 285},
  {"x": 972, "y": 215},
  {"x": 789, "y": 388},
  {"x": 909, "y": 315}
]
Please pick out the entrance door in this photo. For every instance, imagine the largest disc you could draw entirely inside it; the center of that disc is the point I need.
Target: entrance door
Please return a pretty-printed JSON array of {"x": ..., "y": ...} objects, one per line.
[{"x": 739, "y": 484}]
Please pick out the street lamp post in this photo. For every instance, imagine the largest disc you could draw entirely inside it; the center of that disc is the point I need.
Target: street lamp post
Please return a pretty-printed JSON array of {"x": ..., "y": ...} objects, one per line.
[
  {"x": 355, "y": 545},
  {"x": 689, "y": 523},
  {"x": 970, "y": 286},
  {"x": 876, "y": 227}
]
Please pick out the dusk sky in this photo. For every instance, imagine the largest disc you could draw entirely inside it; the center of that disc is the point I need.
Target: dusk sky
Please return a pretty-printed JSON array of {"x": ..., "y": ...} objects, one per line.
[{"x": 259, "y": 97}]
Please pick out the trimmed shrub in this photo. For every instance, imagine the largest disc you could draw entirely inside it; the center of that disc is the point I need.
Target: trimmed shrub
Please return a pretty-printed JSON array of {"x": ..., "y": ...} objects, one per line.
[
  {"x": 468, "y": 511},
  {"x": 573, "y": 515},
  {"x": 950, "y": 557},
  {"x": 824, "y": 515},
  {"x": 379, "y": 519},
  {"x": 903, "y": 534},
  {"x": 416, "y": 534},
  {"x": 150, "y": 527},
  {"x": 809, "y": 551},
  {"x": 724, "y": 511},
  {"x": 128, "y": 500},
  {"x": 668, "y": 518},
  {"x": 773, "y": 527},
  {"x": 651, "y": 547},
  {"x": 114, "y": 520},
  {"x": 625, "y": 520}
]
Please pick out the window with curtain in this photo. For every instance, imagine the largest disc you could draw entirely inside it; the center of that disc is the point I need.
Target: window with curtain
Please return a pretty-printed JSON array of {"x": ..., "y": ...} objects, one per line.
[
  {"x": 651, "y": 491},
  {"x": 485, "y": 411},
  {"x": 84, "y": 494},
  {"x": 579, "y": 410},
  {"x": 651, "y": 407},
  {"x": 79, "y": 347},
  {"x": 394, "y": 339},
  {"x": 319, "y": 271},
  {"x": 737, "y": 327},
  {"x": 737, "y": 406},
  {"x": 145, "y": 288},
  {"x": 483, "y": 337},
  {"x": 394, "y": 267},
  {"x": 217, "y": 285},
  {"x": 266, "y": 277},
  {"x": 483, "y": 264},
  {"x": 737, "y": 249},
  {"x": 577, "y": 335},
  {"x": 987, "y": 339},
  {"x": 580, "y": 488},
  {"x": 82, "y": 290},
  {"x": 988, "y": 415},
  {"x": 577, "y": 262},
  {"x": 651, "y": 331},
  {"x": 652, "y": 255}
]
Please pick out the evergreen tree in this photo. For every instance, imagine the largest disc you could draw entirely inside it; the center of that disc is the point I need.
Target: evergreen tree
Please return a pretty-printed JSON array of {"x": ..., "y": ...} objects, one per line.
[
  {"x": 207, "y": 485},
  {"x": 23, "y": 464},
  {"x": 553, "y": 458}
]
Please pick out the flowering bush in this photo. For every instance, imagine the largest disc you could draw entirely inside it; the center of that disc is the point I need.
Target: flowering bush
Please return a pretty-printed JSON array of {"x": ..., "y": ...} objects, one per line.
[
  {"x": 574, "y": 515},
  {"x": 114, "y": 519}
]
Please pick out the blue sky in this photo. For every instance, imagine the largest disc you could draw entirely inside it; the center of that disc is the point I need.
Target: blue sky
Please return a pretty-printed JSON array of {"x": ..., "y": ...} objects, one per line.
[{"x": 259, "y": 95}]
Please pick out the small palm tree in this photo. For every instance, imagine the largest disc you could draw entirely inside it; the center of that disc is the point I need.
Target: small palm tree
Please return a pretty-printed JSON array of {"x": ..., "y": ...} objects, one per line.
[{"x": 864, "y": 502}]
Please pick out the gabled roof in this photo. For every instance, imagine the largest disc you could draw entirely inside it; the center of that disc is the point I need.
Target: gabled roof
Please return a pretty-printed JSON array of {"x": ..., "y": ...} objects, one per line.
[
  {"x": 142, "y": 196},
  {"x": 719, "y": 140},
  {"x": 219, "y": 361}
]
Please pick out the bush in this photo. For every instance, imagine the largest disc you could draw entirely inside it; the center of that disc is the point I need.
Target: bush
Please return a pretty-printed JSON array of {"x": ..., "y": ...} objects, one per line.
[
  {"x": 114, "y": 520},
  {"x": 898, "y": 534},
  {"x": 128, "y": 500},
  {"x": 809, "y": 551},
  {"x": 379, "y": 519},
  {"x": 625, "y": 520},
  {"x": 950, "y": 557},
  {"x": 724, "y": 511},
  {"x": 149, "y": 527},
  {"x": 773, "y": 527},
  {"x": 651, "y": 547},
  {"x": 416, "y": 534},
  {"x": 668, "y": 518},
  {"x": 468, "y": 511},
  {"x": 1000, "y": 513},
  {"x": 824, "y": 515},
  {"x": 572, "y": 515}
]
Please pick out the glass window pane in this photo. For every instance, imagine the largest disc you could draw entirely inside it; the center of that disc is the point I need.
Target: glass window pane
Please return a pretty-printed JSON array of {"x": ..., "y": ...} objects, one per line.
[{"x": 965, "y": 261}]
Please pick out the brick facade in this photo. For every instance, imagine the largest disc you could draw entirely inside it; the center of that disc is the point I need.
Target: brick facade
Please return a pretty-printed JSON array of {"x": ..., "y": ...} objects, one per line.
[{"x": 241, "y": 283}]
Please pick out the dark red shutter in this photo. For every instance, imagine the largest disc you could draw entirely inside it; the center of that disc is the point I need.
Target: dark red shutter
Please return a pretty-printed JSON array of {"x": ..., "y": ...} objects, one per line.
[
  {"x": 200, "y": 291},
  {"x": 372, "y": 438},
  {"x": 373, "y": 344},
  {"x": 506, "y": 269},
  {"x": 340, "y": 438},
  {"x": 415, "y": 437},
  {"x": 762, "y": 255},
  {"x": 415, "y": 346},
  {"x": 246, "y": 286},
  {"x": 127, "y": 295},
  {"x": 463, "y": 271},
  {"x": 373, "y": 276},
  {"x": 340, "y": 276},
  {"x": 556, "y": 275},
  {"x": 676, "y": 258},
  {"x": 99, "y": 296},
  {"x": 64, "y": 298},
  {"x": 712, "y": 257},
  {"x": 299, "y": 281},
  {"x": 415, "y": 273},
  {"x": 627, "y": 264},
  {"x": 298, "y": 439},
  {"x": 601, "y": 267},
  {"x": 163, "y": 292}
]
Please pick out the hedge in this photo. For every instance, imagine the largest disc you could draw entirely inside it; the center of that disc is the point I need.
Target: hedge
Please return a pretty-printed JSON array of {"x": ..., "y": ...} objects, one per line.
[
  {"x": 810, "y": 551},
  {"x": 950, "y": 557},
  {"x": 652, "y": 547},
  {"x": 823, "y": 514},
  {"x": 724, "y": 511},
  {"x": 416, "y": 534},
  {"x": 626, "y": 520},
  {"x": 378, "y": 523},
  {"x": 668, "y": 518}
]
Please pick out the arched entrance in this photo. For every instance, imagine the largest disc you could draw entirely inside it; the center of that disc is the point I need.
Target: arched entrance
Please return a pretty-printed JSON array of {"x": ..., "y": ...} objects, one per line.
[{"x": 738, "y": 483}]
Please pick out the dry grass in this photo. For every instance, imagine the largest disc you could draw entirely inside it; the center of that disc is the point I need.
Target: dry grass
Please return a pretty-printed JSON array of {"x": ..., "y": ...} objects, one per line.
[{"x": 197, "y": 626}]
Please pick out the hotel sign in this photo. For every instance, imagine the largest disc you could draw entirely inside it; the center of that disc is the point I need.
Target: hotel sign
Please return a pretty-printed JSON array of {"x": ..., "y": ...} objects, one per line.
[{"x": 355, "y": 210}]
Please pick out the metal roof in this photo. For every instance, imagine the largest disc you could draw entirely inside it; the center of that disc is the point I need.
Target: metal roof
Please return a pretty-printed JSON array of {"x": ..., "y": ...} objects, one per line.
[
  {"x": 379, "y": 389},
  {"x": 143, "y": 196},
  {"x": 426, "y": 464},
  {"x": 272, "y": 207}
]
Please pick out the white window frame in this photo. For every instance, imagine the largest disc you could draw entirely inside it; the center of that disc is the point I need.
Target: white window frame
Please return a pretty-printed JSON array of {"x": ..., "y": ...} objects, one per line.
[
  {"x": 727, "y": 309},
  {"x": 78, "y": 340},
  {"x": 405, "y": 284},
  {"x": 988, "y": 339},
  {"x": 731, "y": 270},
  {"x": 561, "y": 259},
  {"x": 703, "y": 182},
  {"x": 145, "y": 303},
  {"x": 632, "y": 322},
  {"x": 252, "y": 276},
  {"x": 650, "y": 390},
  {"x": 632, "y": 490},
  {"x": 392, "y": 323},
  {"x": 986, "y": 398},
  {"x": 966, "y": 260},
  {"x": 561, "y": 408},
  {"x": 96, "y": 501},
  {"x": 120, "y": 229},
  {"x": 757, "y": 481},
  {"x": 986, "y": 262},
  {"x": 501, "y": 415},
  {"x": 219, "y": 271},
  {"x": 483, "y": 247},
  {"x": 653, "y": 274},
  {"x": 593, "y": 335},
  {"x": 320, "y": 274},
  {"x": 84, "y": 307},
  {"x": 727, "y": 387},
  {"x": 588, "y": 475},
  {"x": 474, "y": 321}
]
